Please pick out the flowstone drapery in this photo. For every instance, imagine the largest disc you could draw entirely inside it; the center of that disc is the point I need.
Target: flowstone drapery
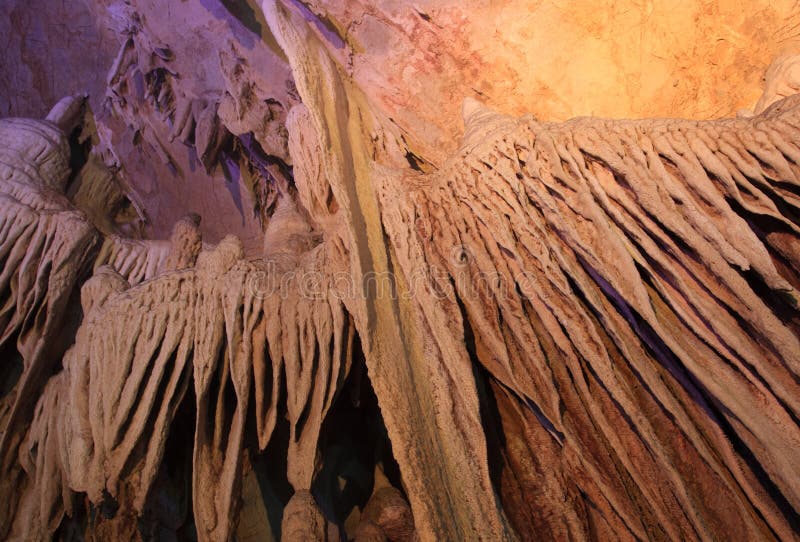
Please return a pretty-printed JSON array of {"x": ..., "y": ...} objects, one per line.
[{"x": 576, "y": 330}]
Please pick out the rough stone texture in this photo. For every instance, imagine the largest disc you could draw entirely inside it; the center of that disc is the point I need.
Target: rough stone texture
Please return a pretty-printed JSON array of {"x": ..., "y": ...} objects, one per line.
[
  {"x": 587, "y": 251},
  {"x": 49, "y": 50},
  {"x": 281, "y": 276},
  {"x": 152, "y": 72},
  {"x": 103, "y": 420},
  {"x": 557, "y": 60}
]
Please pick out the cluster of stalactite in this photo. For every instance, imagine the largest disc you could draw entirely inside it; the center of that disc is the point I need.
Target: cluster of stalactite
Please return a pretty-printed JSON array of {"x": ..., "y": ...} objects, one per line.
[
  {"x": 45, "y": 245},
  {"x": 630, "y": 288},
  {"x": 156, "y": 318},
  {"x": 104, "y": 419},
  {"x": 615, "y": 301},
  {"x": 583, "y": 330}
]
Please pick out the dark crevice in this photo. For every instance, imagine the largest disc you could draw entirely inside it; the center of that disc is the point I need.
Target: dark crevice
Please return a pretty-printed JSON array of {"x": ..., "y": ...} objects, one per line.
[
  {"x": 425, "y": 17},
  {"x": 249, "y": 16},
  {"x": 272, "y": 175},
  {"x": 141, "y": 386},
  {"x": 324, "y": 25},
  {"x": 786, "y": 209},
  {"x": 11, "y": 366},
  {"x": 489, "y": 412},
  {"x": 783, "y": 305},
  {"x": 308, "y": 407},
  {"x": 79, "y": 154},
  {"x": 168, "y": 510},
  {"x": 270, "y": 466},
  {"x": 413, "y": 161},
  {"x": 717, "y": 412},
  {"x": 353, "y": 444}
]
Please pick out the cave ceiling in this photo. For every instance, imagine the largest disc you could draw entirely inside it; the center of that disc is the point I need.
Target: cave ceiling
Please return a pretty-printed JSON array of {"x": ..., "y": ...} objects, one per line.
[{"x": 407, "y": 271}]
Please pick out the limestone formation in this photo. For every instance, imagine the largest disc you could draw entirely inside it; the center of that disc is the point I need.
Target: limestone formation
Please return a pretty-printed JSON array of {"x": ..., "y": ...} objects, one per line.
[{"x": 262, "y": 284}]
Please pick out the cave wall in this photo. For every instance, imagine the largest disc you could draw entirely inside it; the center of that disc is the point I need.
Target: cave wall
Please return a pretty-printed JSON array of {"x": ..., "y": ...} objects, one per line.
[{"x": 246, "y": 226}]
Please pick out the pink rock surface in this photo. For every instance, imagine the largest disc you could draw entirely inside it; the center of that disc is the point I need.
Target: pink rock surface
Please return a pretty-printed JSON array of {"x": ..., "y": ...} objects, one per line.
[{"x": 323, "y": 270}]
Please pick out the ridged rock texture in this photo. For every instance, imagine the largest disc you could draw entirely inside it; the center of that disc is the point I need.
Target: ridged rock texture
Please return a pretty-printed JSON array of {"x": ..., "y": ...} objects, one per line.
[{"x": 344, "y": 271}]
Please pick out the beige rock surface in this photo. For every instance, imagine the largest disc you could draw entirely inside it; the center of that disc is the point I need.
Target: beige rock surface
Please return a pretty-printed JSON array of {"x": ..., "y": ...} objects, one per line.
[
  {"x": 557, "y": 60},
  {"x": 322, "y": 270}
]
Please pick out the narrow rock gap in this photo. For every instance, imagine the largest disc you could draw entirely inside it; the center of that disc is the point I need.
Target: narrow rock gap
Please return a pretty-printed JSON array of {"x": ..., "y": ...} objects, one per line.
[
  {"x": 785, "y": 208},
  {"x": 10, "y": 369},
  {"x": 174, "y": 482},
  {"x": 141, "y": 385},
  {"x": 783, "y": 306},
  {"x": 308, "y": 408},
  {"x": 79, "y": 154},
  {"x": 658, "y": 350},
  {"x": 270, "y": 466},
  {"x": 354, "y": 447},
  {"x": 489, "y": 415}
]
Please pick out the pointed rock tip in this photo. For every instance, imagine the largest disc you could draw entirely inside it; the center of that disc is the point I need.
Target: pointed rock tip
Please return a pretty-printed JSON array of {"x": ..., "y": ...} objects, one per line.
[
  {"x": 470, "y": 108},
  {"x": 479, "y": 120}
]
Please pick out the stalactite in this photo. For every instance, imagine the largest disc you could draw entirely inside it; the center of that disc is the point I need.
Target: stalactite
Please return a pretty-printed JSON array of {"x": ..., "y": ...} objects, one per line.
[
  {"x": 580, "y": 330},
  {"x": 620, "y": 279},
  {"x": 45, "y": 246},
  {"x": 225, "y": 325}
]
